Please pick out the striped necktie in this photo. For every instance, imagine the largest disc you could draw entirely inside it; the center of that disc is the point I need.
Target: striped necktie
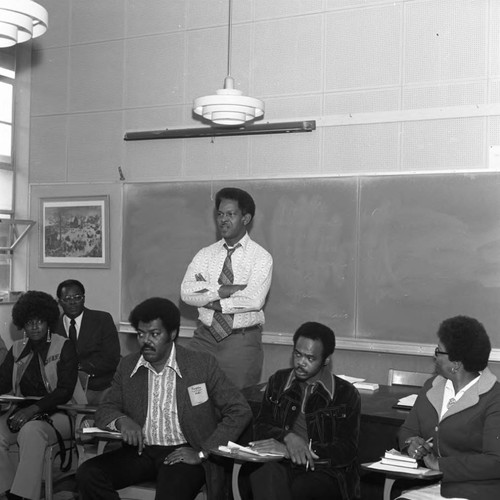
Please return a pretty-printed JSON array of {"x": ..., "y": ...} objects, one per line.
[{"x": 222, "y": 324}]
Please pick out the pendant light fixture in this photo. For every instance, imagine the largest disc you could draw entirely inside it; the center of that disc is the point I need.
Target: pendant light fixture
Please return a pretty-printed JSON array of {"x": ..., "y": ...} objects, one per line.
[
  {"x": 228, "y": 106},
  {"x": 20, "y": 21}
]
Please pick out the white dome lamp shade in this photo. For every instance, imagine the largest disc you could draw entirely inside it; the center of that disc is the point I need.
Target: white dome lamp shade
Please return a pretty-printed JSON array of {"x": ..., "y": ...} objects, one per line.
[
  {"x": 228, "y": 106},
  {"x": 20, "y": 21}
]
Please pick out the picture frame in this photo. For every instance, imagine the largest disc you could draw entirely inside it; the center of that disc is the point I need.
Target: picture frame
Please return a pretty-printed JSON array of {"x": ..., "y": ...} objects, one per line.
[{"x": 74, "y": 232}]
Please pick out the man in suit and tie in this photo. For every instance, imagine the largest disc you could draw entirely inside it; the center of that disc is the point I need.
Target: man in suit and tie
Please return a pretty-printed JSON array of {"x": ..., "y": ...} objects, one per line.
[
  {"x": 171, "y": 405},
  {"x": 95, "y": 337}
]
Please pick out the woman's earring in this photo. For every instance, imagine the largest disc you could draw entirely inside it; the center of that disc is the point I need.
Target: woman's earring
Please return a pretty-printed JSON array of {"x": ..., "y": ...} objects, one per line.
[
  {"x": 49, "y": 336},
  {"x": 25, "y": 339}
]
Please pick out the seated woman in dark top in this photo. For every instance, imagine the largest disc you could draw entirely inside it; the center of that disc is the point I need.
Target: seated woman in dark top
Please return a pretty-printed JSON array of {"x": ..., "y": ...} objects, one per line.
[
  {"x": 460, "y": 410},
  {"x": 41, "y": 365}
]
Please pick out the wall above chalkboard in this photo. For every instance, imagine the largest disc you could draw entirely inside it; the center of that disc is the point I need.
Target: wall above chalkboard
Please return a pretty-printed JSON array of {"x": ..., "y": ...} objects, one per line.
[{"x": 378, "y": 258}]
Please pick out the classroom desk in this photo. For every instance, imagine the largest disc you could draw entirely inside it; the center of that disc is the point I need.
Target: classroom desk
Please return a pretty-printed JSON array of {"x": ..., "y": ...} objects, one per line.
[{"x": 379, "y": 420}]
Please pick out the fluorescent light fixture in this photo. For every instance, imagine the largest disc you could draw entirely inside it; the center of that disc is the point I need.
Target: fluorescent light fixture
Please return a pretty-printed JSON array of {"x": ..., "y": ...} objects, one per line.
[{"x": 256, "y": 129}]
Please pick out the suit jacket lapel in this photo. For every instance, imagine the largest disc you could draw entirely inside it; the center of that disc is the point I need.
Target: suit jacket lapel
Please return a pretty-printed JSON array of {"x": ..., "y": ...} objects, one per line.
[{"x": 181, "y": 386}]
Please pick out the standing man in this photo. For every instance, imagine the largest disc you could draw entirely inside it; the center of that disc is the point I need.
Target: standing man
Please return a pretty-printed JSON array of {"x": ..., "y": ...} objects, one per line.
[
  {"x": 312, "y": 418},
  {"x": 94, "y": 335},
  {"x": 172, "y": 405},
  {"x": 228, "y": 282}
]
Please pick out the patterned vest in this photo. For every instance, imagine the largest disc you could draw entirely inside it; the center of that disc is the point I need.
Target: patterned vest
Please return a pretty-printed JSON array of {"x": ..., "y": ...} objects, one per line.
[{"x": 48, "y": 370}]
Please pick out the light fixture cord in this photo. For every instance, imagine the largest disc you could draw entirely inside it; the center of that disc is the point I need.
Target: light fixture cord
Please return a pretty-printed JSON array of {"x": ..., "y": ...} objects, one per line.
[{"x": 229, "y": 36}]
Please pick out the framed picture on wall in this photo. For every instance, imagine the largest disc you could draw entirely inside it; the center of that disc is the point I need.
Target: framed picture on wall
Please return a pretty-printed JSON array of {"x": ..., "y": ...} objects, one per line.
[{"x": 74, "y": 232}]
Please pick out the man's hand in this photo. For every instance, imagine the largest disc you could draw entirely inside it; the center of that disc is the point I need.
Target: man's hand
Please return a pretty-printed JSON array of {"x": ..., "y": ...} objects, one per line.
[
  {"x": 269, "y": 446},
  {"x": 183, "y": 454},
  {"x": 298, "y": 450},
  {"x": 226, "y": 291},
  {"x": 131, "y": 433}
]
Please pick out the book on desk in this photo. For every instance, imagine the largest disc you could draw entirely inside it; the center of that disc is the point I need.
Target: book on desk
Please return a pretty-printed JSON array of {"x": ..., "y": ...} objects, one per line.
[{"x": 398, "y": 459}]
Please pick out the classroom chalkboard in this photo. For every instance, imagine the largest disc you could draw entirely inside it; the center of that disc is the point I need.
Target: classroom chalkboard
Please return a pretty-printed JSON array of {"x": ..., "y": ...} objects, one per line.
[{"x": 375, "y": 257}]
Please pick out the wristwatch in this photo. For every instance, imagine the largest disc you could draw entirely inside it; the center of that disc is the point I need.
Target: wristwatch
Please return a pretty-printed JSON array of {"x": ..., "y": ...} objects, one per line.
[{"x": 203, "y": 455}]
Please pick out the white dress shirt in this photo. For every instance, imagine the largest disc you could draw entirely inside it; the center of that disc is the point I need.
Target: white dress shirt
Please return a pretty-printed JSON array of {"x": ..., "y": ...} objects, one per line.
[
  {"x": 252, "y": 266},
  {"x": 78, "y": 324}
]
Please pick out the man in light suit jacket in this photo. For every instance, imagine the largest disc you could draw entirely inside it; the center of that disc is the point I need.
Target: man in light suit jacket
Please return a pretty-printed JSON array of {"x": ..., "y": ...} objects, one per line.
[
  {"x": 95, "y": 337},
  {"x": 172, "y": 406}
]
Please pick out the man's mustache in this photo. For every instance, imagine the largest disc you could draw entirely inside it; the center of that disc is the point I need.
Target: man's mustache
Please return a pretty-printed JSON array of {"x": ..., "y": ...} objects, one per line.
[{"x": 149, "y": 347}]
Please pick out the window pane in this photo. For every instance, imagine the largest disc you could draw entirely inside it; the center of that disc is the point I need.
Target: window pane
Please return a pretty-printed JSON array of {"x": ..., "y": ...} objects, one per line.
[
  {"x": 6, "y": 183},
  {"x": 5, "y": 140},
  {"x": 5, "y": 102}
]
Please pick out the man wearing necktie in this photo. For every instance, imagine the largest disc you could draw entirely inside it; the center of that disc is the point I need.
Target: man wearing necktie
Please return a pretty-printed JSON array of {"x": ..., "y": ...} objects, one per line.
[
  {"x": 94, "y": 335},
  {"x": 228, "y": 282}
]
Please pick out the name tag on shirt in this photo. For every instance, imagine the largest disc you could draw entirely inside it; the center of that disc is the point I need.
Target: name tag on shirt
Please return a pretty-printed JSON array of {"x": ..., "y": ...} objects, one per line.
[{"x": 198, "y": 394}]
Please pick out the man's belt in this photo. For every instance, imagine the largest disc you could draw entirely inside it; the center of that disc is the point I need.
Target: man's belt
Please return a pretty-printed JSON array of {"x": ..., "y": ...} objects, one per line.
[{"x": 246, "y": 329}]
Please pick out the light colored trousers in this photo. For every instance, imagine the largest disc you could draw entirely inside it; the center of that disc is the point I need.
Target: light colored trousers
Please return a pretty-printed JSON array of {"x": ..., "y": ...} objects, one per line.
[
  {"x": 25, "y": 480},
  {"x": 240, "y": 355}
]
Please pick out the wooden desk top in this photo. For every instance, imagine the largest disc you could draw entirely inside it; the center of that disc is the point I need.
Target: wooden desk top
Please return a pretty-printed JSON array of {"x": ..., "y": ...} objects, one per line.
[
  {"x": 421, "y": 473},
  {"x": 378, "y": 405},
  {"x": 375, "y": 405}
]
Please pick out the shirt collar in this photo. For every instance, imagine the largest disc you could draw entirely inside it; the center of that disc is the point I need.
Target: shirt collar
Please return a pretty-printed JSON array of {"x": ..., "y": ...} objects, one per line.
[
  {"x": 243, "y": 242},
  {"x": 78, "y": 320},
  {"x": 323, "y": 377},
  {"x": 171, "y": 363}
]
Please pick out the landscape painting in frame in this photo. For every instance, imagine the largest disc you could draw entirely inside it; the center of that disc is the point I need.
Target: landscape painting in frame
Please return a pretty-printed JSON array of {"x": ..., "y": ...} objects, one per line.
[{"x": 74, "y": 232}]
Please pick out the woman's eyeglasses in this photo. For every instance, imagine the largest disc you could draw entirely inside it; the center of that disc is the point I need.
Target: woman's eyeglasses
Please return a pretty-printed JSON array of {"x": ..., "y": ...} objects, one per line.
[{"x": 437, "y": 352}]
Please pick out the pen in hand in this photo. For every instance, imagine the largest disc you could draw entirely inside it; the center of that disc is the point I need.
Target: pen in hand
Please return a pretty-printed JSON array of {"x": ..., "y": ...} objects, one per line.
[
  {"x": 310, "y": 449},
  {"x": 427, "y": 441}
]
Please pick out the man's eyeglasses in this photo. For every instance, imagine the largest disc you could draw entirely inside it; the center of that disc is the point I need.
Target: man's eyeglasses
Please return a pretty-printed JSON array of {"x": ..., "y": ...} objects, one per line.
[
  {"x": 72, "y": 298},
  {"x": 437, "y": 352},
  {"x": 34, "y": 323}
]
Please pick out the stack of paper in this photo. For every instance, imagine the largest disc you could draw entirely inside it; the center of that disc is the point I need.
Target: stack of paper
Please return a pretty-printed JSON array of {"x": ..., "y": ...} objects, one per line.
[
  {"x": 396, "y": 458},
  {"x": 352, "y": 380},
  {"x": 360, "y": 383},
  {"x": 237, "y": 448},
  {"x": 92, "y": 430},
  {"x": 367, "y": 386}
]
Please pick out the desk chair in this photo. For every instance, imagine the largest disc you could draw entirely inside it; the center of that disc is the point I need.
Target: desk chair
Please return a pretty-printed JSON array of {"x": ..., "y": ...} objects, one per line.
[
  {"x": 55, "y": 450},
  {"x": 402, "y": 377}
]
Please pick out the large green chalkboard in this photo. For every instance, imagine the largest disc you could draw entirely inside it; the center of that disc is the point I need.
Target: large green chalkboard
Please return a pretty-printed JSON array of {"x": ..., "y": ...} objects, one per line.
[{"x": 384, "y": 258}]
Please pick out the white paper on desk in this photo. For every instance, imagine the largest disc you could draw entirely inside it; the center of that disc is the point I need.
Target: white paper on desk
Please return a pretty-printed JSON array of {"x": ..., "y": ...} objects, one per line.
[
  {"x": 394, "y": 468},
  {"x": 408, "y": 400},
  {"x": 90, "y": 430},
  {"x": 235, "y": 447},
  {"x": 11, "y": 397},
  {"x": 367, "y": 386},
  {"x": 352, "y": 380}
]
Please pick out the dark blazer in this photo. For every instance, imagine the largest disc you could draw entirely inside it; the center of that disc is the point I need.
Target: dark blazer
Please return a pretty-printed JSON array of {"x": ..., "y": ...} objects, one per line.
[
  {"x": 466, "y": 439},
  {"x": 220, "y": 419},
  {"x": 98, "y": 347}
]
